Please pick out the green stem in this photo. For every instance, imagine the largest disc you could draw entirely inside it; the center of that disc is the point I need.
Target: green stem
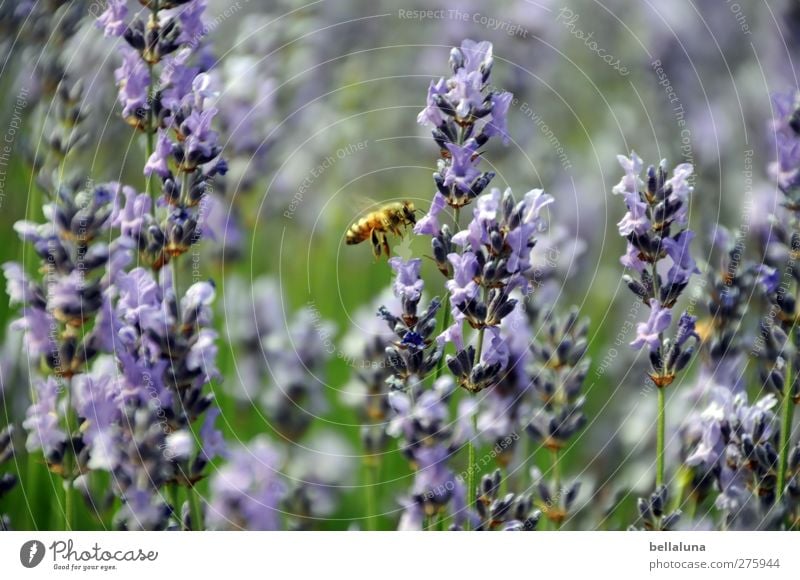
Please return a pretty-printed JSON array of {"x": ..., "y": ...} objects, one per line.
[
  {"x": 691, "y": 507},
  {"x": 173, "y": 265},
  {"x": 479, "y": 348},
  {"x": 371, "y": 491},
  {"x": 660, "y": 427},
  {"x": 472, "y": 468},
  {"x": 150, "y": 130},
  {"x": 31, "y": 488},
  {"x": 194, "y": 509},
  {"x": 684, "y": 484},
  {"x": 150, "y": 134},
  {"x": 470, "y": 477},
  {"x": 68, "y": 502},
  {"x": 445, "y": 323},
  {"x": 174, "y": 499},
  {"x": 555, "y": 455},
  {"x": 787, "y": 414},
  {"x": 68, "y": 463},
  {"x": 62, "y": 168}
]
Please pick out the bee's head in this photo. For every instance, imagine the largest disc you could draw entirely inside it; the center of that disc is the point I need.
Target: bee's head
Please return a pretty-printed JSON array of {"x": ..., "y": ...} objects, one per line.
[{"x": 409, "y": 211}]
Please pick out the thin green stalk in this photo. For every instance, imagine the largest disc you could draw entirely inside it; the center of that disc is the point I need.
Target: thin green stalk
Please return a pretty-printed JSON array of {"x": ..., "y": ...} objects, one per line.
[
  {"x": 62, "y": 168},
  {"x": 684, "y": 483},
  {"x": 31, "y": 488},
  {"x": 68, "y": 492},
  {"x": 471, "y": 466},
  {"x": 371, "y": 491},
  {"x": 174, "y": 499},
  {"x": 68, "y": 463},
  {"x": 691, "y": 507},
  {"x": 445, "y": 323},
  {"x": 149, "y": 144},
  {"x": 787, "y": 415},
  {"x": 660, "y": 438},
  {"x": 194, "y": 509},
  {"x": 470, "y": 476},
  {"x": 661, "y": 404},
  {"x": 173, "y": 265},
  {"x": 555, "y": 455},
  {"x": 149, "y": 127}
]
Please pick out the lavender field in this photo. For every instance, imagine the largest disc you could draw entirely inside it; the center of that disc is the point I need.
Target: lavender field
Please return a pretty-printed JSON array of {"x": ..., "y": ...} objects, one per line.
[{"x": 520, "y": 265}]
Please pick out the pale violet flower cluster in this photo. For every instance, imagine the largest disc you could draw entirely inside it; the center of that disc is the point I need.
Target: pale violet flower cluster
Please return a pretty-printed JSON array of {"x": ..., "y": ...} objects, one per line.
[
  {"x": 494, "y": 261},
  {"x": 658, "y": 238}
]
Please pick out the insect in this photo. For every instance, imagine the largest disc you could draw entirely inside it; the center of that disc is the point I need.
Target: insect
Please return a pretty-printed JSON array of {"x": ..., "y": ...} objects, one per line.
[{"x": 392, "y": 218}]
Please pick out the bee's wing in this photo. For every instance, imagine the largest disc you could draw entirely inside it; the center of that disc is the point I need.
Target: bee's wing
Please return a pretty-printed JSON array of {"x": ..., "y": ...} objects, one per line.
[{"x": 364, "y": 204}]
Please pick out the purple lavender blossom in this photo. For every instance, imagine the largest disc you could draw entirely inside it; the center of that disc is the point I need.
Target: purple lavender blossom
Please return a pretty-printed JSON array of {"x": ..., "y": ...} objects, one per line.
[
  {"x": 683, "y": 265},
  {"x": 246, "y": 492},
  {"x": 649, "y": 333},
  {"x": 656, "y": 228},
  {"x": 407, "y": 283},
  {"x": 463, "y": 287},
  {"x": 112, "y": 20},
  {"x": 498, "y": 127},
  {"x": 787, "y": 140},
  {"x": 429, "y": 223},
  {"x": 158, "y": 162},
  {"x": 176, "y": 79},
  {"x": 42, "y": 420},
  {"x": 465, "y": 114},
  {"x": 429, "y": 440},
  {"x": 432, "y": 114},
  {"x": 133, "y": 80},
  {"x": 191, "y": 20},
  {"x": 737, "y": 455},
  {"x": 686, "y": 329},
  {"x": 461, "y": 172}
]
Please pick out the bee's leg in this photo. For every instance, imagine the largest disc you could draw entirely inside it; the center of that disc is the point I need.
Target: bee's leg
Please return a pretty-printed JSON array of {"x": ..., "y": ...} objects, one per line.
[
  {"x": 375, "y": 240},
  {"x": 386, "y": 247}
]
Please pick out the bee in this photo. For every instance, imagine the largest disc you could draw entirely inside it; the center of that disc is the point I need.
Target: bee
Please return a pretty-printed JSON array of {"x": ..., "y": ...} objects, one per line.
[{"x": 392, "y": 218}]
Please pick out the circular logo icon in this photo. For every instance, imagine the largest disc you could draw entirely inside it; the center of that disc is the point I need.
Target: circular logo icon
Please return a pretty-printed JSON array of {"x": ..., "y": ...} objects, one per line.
[{"x": 31, "y": 553}]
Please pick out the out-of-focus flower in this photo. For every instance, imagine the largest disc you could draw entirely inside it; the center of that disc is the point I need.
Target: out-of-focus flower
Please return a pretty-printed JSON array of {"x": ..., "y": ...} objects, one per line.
[{"x": 246, "y": 492}]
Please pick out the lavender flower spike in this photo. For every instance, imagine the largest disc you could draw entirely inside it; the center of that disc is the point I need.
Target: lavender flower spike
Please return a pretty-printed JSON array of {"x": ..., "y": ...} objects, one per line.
[{"x": 656, "y": 229}]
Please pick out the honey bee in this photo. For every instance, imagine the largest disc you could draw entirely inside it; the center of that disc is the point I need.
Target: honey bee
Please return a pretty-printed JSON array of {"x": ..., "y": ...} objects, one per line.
[{"x": 392, "y": 218}]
